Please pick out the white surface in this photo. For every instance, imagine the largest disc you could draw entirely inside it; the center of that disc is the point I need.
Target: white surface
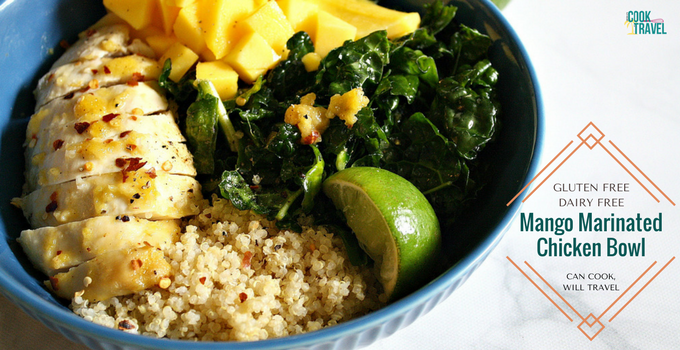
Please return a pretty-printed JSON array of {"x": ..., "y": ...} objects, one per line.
[{"x": 589, "y": 70}]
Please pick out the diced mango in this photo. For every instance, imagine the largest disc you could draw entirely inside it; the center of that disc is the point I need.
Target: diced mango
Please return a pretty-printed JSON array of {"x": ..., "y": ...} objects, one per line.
[
  {"x": 146, "y": 32},
  {"x": 270, "y": 22},
  {"x": 218, "y": 17},
  {"x": 160, "y": 43},
  {"x": 300, "y": 14},
  {"x": 311, "y": 61},
  {"x": 207, "y": 56},
  {"x": 166, "y": 15},
  {"x": 187, "y": 28},
  {"x": 178, "y": 3},
  {"x": 368, "y": 17},
  {"x": 138, "y": 13},
  {"x": 222, "y": 76},
  {"x": 252, "y": 57},
  {"x": 331, "y": 32},
  {"x": 181, "y": 57}
]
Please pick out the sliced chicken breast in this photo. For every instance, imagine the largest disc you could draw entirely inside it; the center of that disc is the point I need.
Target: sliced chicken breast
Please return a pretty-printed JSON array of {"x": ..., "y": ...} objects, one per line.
[
  {"x": 55, "y": 249},
  {"x": 102, "y": 156},
  {"x": 96, "y": 105},
  {"x": 144, "y": 194},
  {"x": 161, "y": 126},
  {"x": 117, "y": 272},
  {"x": 108, "y": 41},
  {"x": 84, "y": 75}
]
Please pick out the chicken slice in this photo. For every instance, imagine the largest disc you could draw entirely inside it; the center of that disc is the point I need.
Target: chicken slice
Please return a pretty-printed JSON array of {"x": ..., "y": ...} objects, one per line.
[
  {"x": 102, "y": 156},
  {"x": 114, "y": 273},
  {"x": 108, "y": 41},
  {"x": 96, "y": 105},
  {"x": 144, "y": 194},
  {"x": 54, "y": 249},
  {"x": 161, "y": 126},
  {"x": 84, "y": 75}
]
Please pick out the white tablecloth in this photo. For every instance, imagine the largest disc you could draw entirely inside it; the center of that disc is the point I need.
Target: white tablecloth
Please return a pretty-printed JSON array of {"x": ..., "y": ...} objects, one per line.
[{"x": 590, "y": 70}]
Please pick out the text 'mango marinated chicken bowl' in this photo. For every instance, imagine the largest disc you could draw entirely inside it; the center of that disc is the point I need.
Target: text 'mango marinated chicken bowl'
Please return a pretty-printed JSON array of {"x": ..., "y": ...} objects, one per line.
[{"x": 251, "y": 169}]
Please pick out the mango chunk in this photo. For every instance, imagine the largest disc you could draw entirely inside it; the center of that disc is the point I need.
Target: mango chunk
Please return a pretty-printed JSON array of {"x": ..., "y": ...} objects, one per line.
[
  {"x": 160, "y": 43},
  {"x": 222, "y": 76},
  {"x": 270, "y": 22},
  {"x": 187, "y": 28},
  {"x": 311, "y": 61},
  {"x": 218, "y": 18},
  {"x": 167, "y": 15},
  {"x": 138, "y": 13},
  {"x": 145, "y": 32},
  {"x": 178, "y": 3},
  {"x": 300, "y": 14},
  {"x": 331, "y": 32},
  {"x": 181, "y": 57},
  {"x": 251, "y": 57},
  {"x": 368, "y": 17}
]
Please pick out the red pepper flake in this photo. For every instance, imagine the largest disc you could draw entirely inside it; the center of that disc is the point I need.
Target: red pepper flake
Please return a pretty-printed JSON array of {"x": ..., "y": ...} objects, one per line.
[
  {"x": 107, "y": 141},
  {"x": 135, "y": 264},
  {"x": 54, "y": 283},
  {"x": 53, "y": 203},
  {"x": 312, "y": 138},
  {"x": 81, "y": 127},
  {"x": 64, "y": 44},
  {"x": 125, "y": 325},
  {"x": 134, "y": 118},
  {"x": 152, "y": 173},
  {"x": 246, "y": 259},
  {"x": 50, "y": 77},
  {"x": 109, "y": 117},
  {"x": 135, "y": 79},
  {"x": 86, "y": 88},
  {"x": 242, "y": 296},
  {"x": 134, "y": 164},
  {"x": 254, "y": 187},
  {"x": 107, "y": 70},
  {"x": 120, "y": 162},
  {"x": 90, "y": 32},
  {"x": 57, "y": 144},
  {"x": 202, "y": 280},
  {"x": 125, "y": 133},
  {"x": 58, "y": 252},
  {"x": 130, "y": 147},
  {"x": 94, "y": 71},
  {"x": 312, "y": 247}
]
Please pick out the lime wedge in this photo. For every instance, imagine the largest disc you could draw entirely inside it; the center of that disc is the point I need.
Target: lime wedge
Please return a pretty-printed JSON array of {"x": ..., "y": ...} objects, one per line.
[{"x": 393, "y": 222}]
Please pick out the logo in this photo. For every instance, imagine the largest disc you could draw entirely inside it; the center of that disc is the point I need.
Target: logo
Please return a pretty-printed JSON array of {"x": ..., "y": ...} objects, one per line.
[{"x": 640, "y": 22}]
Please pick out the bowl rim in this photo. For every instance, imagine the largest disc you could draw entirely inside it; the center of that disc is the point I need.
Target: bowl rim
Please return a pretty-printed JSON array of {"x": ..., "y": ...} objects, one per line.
[{"x": 34, "y": 304}]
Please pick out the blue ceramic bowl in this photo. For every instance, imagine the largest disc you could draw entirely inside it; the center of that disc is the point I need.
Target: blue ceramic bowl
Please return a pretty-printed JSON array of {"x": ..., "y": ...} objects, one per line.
[{"x": 29, "y": 43}]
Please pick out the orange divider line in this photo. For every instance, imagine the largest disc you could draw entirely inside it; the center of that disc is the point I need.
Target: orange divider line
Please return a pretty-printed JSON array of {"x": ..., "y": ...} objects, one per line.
[
  {"x": 641, "y": 172},
  {"x": 539, "y": 288},
  {"x": 553, "y": 289},
  {"x": 641, "y": 289},
  {"x": 627, "y": 289},
  {"x": 554, "y": 170},
  {"x": 540, "y": 172},
  {"x": 629, "y": 173}
]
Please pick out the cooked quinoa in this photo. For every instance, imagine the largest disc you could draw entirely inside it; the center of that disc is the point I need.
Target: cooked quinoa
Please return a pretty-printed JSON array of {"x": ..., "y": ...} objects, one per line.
[{"x": 237, "y": 277}]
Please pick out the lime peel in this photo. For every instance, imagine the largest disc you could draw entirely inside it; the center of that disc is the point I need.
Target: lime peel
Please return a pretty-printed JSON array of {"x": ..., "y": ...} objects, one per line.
[{"x": 393, "y": 222}]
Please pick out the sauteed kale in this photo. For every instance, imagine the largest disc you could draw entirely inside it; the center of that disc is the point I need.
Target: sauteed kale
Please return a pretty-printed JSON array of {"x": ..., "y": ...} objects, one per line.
[{"x": 432, "y": 108}]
